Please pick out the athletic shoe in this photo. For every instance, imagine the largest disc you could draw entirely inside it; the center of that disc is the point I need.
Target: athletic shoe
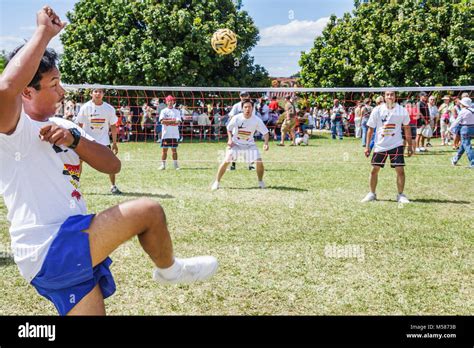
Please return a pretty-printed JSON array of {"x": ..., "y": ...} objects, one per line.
[
  {"x": 215, "y": 186},
  {"x": 429, "y": 145},
  {"x": 162, "y": 167},
  {"x": 195, "y": 269},
  {"x": 232, "y": 166},
  {"x": 417, "y": 149},
  {"x": 454, "y": 161},
  {"x": 115, "y": 191},
  {"x": 176, "y": 167},
  {"x": 251, "y": 167},
  {"x": 369, "y": 198},
  {"x": 401, "y": 198},
  {"x": 422, "y": 149},
  {"x": 261, "y": 184},
  {"x": 470, "y": 167}
]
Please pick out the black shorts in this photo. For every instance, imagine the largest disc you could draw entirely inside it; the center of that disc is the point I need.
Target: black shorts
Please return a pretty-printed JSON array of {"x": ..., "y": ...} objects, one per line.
[
  {"x": 396, "y": 158},
  {"x": 169, "y": 143}
]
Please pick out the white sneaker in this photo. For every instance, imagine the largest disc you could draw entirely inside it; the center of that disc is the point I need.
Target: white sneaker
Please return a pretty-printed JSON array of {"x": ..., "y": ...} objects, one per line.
[
  {"x": 422, "y": 149},
  {"x": 261, "y": 184},
  {"x": 417, "y": 149},
  {"x": 454, "y": 161},
  {"x": 401, "y": 198},
  {"x": 176, "y": 167},
  {"x": 369, "y": 198},
  {"x": 162, "y": 167},
  {"x": 215, "y": 186},
  {"x": 194, "y": 269}
]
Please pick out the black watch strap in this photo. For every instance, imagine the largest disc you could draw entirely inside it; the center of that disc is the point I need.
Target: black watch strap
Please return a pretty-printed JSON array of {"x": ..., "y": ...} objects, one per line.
[{"x": 77, "y": 137}]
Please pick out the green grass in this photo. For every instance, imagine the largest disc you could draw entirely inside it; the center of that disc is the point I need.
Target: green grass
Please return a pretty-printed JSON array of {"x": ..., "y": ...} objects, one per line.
[{"x": 417, "y": 258}]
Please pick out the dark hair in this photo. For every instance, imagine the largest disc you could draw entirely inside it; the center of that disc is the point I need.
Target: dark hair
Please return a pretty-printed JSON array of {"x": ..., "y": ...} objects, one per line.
[
  {"x": 47, "y": 63},
  {"x": 245, "y": 101}
]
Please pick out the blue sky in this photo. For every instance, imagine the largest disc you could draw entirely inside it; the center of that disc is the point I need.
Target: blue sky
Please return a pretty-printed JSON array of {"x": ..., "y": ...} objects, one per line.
[{"x": 287, "y": 27}]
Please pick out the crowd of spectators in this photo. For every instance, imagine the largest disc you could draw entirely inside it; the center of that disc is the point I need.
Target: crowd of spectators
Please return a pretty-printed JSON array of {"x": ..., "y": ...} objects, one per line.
[{"x": 430, "y": 117}]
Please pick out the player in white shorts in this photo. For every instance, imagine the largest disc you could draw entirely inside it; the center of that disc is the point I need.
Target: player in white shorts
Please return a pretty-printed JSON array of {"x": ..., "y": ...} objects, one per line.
[{"x": 241, "y": 143}]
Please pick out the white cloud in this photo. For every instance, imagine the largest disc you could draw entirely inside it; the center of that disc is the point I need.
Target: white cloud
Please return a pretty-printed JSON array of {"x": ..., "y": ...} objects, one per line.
[{"x": 295, "y": 33}]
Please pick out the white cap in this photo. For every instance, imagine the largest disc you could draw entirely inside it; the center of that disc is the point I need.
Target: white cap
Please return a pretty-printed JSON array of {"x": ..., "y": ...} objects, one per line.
[{"x": 467, "y": 102}]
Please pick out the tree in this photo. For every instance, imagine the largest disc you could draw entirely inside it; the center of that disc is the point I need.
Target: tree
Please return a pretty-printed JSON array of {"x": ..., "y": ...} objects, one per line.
[
  {"x": 394, "y": 43},
  {"x": 164, "y": 43},
  {"x": 3, "y": 61}
]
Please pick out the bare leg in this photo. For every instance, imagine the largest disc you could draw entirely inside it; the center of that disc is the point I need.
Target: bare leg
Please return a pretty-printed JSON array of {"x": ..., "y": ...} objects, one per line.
[
  {"x": 109, "y": 229},
  {"x": 112, "y": 179},
  {"x": 374, "y": 174},
  {"x": 260, "y": 169},
  {"x": 144, "y": 218},
  {"x": 221, "y": 170},
  {"x": 91, "y": 304},
  {"x": 400, "y": 178},
  {"x": 175, "y": 154},
  {"x": 164, "y": 154}
]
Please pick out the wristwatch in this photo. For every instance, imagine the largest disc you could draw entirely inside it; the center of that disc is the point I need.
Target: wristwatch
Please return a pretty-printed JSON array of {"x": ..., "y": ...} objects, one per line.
[{"x": 77, "y": 136}]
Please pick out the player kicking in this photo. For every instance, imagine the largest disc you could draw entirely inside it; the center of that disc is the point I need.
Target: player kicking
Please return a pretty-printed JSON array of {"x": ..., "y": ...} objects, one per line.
[
  {"x": 241, "y": 143},
  {"x": 60, "y": 249}
]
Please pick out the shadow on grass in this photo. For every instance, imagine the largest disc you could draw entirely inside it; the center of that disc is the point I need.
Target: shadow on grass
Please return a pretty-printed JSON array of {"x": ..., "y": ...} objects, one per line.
[
  {"x": 197, "y": 168},
  {"x": 131, "y": 194},
  {"x": 428, "y": 200},
  {"x": 6, "y": 261},
  {"x": 280, "y": 188},
  {"x": 280, "y": 170},
  {"x": 431, "y": 200},
  {"x": 437, "y": 153}
]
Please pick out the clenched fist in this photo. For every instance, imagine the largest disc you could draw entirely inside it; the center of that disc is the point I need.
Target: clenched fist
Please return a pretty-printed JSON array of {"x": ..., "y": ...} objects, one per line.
[
  {"x": 56, "y": 135},
  {"x": 47, "y": 19}
]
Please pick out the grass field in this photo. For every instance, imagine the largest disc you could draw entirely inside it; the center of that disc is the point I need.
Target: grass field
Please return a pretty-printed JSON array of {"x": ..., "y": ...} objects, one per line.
[{"x": 274, "y": 246}]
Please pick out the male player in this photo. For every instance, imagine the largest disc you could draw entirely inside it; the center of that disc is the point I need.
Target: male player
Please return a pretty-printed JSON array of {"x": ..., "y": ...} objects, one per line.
[
  {"x": 388, "y": 120},
  {"x": 241, "y": 143},
  {"x": 59, "y": 249},
  {"x": 97, "y": 118},
  {"x": 170, "y": 118}
]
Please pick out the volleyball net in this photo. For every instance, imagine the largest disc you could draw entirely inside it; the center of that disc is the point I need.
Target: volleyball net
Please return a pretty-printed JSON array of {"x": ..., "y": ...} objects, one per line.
[{"x": 205, "y": 110}]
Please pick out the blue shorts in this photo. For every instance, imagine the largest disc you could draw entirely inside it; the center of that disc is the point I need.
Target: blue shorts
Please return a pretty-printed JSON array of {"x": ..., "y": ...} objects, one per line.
[
  {"x": 67, "y": 274},
  {"x": 457, "y": 130}
]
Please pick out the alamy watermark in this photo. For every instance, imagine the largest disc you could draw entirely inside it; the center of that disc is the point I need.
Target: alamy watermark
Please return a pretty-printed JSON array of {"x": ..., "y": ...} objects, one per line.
[{"x": 346, "y": 251}]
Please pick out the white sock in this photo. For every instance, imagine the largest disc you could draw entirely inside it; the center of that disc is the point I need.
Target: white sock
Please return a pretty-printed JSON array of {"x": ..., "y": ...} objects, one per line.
[
  {"x": 164, "y": 163},
  {"x": 173, "y": 271},
  {"x": 175, "y": 163}
]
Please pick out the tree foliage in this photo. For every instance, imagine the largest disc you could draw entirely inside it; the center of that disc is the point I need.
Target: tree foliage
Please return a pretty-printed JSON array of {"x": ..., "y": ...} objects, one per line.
[
  {"x": 3, "y": 61},
  {"x": 394, "y": 43},
  {"x": 164, "y": 42}
]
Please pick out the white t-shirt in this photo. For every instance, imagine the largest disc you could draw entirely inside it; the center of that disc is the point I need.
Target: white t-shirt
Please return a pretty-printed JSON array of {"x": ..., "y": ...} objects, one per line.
[
  {"x": 96, "y": 120},
  {"x": 170, "y": 132},
  {"x": 388, "y": 123},
  {"x": 243, "y": 129},
  {"x": 40, "y": 187},
  {"x": 265, "y": 112},
  {"x": 237, "y": 109}
]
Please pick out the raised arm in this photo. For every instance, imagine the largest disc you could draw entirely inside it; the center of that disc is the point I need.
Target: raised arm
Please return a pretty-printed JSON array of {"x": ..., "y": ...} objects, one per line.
[{"x": 22, "y": 68}]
